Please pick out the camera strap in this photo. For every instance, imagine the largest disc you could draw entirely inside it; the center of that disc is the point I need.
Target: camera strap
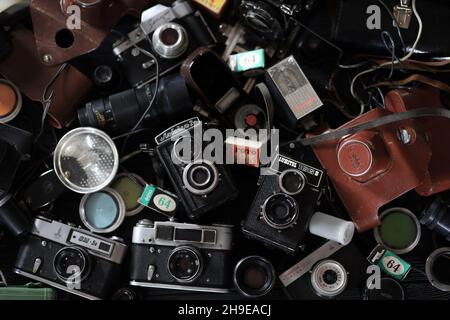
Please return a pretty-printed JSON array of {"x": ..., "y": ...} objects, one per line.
[{"x": 392, "y": 118}]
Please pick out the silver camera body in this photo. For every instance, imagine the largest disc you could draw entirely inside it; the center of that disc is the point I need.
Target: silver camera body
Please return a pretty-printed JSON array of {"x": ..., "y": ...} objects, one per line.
[
  {"x": 181, "y": 256},
  {"x": 70, "y": 259},
  {"x": 168, "y": 33}
]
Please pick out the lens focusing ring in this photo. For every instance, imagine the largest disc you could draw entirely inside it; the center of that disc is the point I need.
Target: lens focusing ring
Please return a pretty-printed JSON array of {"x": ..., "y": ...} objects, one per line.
[
  {"x": 84, "y": 272},
  {"x": 170, "y": 50},
  {"x": 199, "y": 264},
  {"x": 299, "y": 175},
  {"x": 288, "y": 203},
  {"x": 324, "y": 269},
  {"x": 200, "y": 188}
]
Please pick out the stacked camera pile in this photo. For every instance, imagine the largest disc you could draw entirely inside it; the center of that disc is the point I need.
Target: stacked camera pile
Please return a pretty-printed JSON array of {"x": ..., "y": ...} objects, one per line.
[{"x": 153, "y": 148}]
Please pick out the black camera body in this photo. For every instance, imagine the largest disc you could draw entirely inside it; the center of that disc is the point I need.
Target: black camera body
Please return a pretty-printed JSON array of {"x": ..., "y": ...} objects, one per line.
[
  {"x": 174, "y": 32},
  {"x": 284, "y": 204},
  {"x": 201, "y": 184},
  {"x": 181, "y": 256},
  {"x": 70, "y": 259}
]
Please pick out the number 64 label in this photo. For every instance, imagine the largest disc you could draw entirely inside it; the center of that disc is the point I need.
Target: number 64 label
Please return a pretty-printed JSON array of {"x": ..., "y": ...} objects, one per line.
[{"x": 390, "y": 263}]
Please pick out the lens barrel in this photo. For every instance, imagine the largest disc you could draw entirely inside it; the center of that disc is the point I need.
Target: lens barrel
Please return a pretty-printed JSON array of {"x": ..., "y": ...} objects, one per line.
[
  {"x": 120, "y": 112},
  {"x": 437, "y": 218}
]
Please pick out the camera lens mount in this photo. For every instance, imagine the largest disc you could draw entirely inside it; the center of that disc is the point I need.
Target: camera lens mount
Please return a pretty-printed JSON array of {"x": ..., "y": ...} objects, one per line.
[
  {"x": 329, "y": 278},
  {"x": 185, "y": 264},
  {"x": 280, "y": 211},
  {"x": 71, "y": 264},
  {"x": 170, "y": 40},
  {"x": 200, "y": 177},
  {"x": 436, "y": 269}
]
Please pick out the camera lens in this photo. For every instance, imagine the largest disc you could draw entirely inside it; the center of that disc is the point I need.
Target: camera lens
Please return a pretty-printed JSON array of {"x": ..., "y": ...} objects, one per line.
[
  {"x": 170, "y": 40},
  {"x": 185, "y": 150},
  {"x": 121, "y": 111},
  {"x": 262, "y": 18},
  {"x": 280, "y": 211},
  {"x": 435, "y": 217},
  {"x": 292, "y": 181},
  {"x": 329, "y": 278},
  {"x": 436, "y": 269},
  {"x": 185, "y": 264},
  {"x": 254, "y": 276},
  {"x": 200, "y": 177},
  {"x": 71, "y": 263}
]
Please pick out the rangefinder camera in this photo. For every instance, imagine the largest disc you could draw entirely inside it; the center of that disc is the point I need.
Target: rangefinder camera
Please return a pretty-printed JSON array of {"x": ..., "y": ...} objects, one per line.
[
  {"x": 174, "y": 32},
  {"x": 70, "y": 259},
  {"x": 284, "y": 204},
  {"x": 181, "y": 256}
]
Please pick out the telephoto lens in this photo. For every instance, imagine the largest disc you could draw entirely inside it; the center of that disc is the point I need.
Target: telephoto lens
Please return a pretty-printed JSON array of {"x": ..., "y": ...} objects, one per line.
[
  {"x": 120, "y": 112},
  {"x": 12, "y": 218},
  {"x": 254, "y": 277}
]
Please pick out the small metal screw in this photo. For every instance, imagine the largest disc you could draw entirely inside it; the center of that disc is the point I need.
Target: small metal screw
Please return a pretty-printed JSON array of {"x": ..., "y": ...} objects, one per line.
[
  {"x": 44, "y": 243},
  {"x": 209, "y": 255},
  {"x": 208, "y": 280},
  {"x": 405, "y": 136},
  {"x": 135, "y": 52},
  {"x": 157, "y": 275},
  {"x": 159, "y": 250},
  {"x": 47, "y": 58},
  {"x": 152, "y": 250}
]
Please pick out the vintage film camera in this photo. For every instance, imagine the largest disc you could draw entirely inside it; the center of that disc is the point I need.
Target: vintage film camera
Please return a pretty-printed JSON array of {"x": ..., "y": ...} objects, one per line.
[
  {"x": 332, "y": 271},
  {"x": 267, "y": 18},
  {"x": 201, "y": 184},
  {"x": 174, "y": 33},
  {"x": 284, "y": 204},
  {"x": 70, "y": 259},
  {"x": 181, "y": 256}
]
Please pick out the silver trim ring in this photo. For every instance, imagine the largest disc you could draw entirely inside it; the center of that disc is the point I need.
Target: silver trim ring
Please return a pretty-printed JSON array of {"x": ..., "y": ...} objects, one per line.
[
  {"x": 276, "y": 226},
  {"x": 377, "y": 235},
  {"x": 121, "y": 211},
  {"x": 172, "y": 51},
  {"x": 18, "y": 107},
  {"x": 199, "y": 258},
  {"x": 83, "y": 273},
  {"x": 201, "y": 164},
  {"x": 324, "y": 289},
  {"x": 280, "y": 181},
  {"x": 429, "y": 269}
]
